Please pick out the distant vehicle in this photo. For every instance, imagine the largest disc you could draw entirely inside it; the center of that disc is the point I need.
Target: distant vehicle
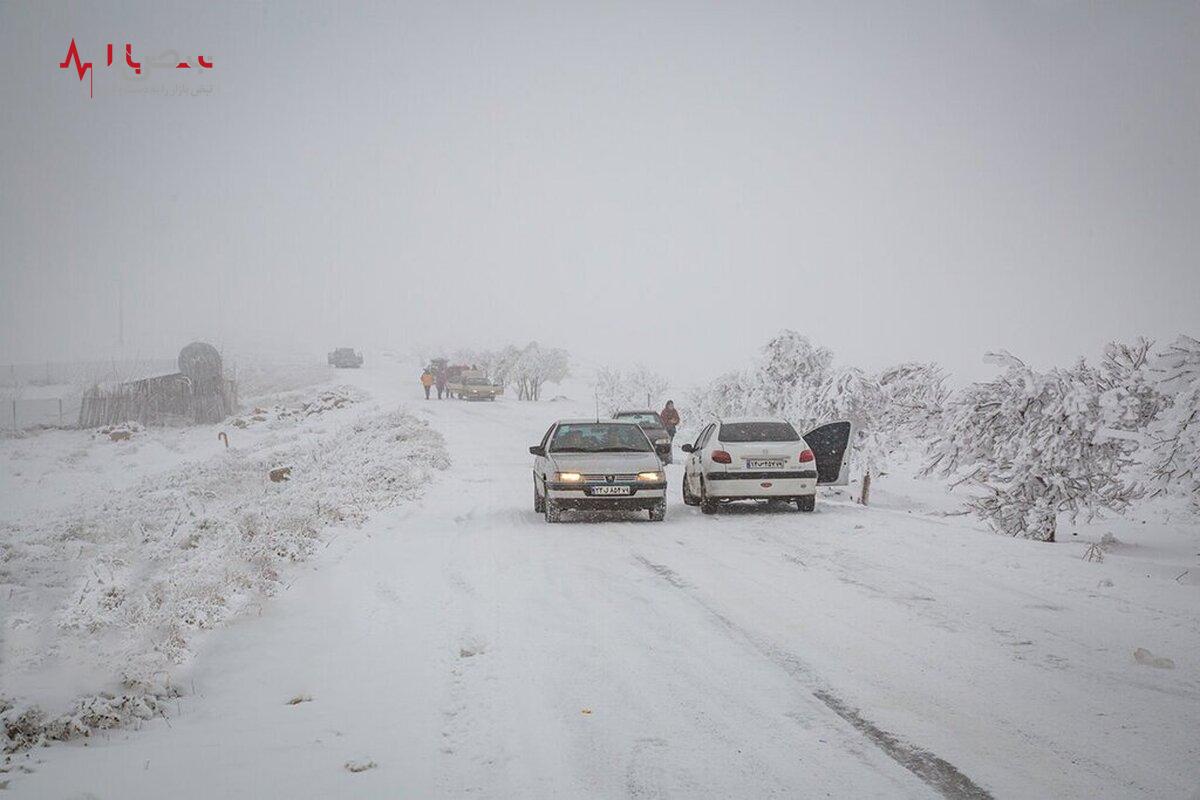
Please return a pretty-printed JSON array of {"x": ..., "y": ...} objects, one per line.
[
  {"x": 652, "y": 424},
  {"x": 345, "y": 357},
  {"x": 598, "y": 465},
  {"x": 472, "y": 384},
  {"x": 755, "y": 459}
]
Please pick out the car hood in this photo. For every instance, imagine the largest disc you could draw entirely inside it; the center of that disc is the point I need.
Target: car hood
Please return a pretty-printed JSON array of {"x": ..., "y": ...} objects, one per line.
[{"x": 605, "y": 463}]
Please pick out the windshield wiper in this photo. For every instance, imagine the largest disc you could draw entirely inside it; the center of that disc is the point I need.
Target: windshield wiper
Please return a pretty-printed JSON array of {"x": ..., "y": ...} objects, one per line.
[{"x": 621, "y": 450}]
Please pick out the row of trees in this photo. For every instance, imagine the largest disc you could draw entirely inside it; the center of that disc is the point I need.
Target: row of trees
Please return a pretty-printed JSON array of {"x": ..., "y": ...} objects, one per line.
[
  {"x": 639, "y": 387},
  {"x": 527, "y": 369},
  {"x": 1028, "y": 445}
]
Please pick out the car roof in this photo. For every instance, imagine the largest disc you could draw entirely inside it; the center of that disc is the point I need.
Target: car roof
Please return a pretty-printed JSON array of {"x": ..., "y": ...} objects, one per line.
[
  {"x": 593, "y": 421},
  {"x": 635, "y": 411},
  {"x": 749, "y": 420}
]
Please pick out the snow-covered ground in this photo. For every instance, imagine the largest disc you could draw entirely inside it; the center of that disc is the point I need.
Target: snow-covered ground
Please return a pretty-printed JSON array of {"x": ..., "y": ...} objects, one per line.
[{"x": 457, "y": 645}]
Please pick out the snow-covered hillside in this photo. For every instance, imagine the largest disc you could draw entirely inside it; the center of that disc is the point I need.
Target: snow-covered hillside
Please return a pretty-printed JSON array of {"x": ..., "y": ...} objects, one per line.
[{"x": 454, "y": 644}]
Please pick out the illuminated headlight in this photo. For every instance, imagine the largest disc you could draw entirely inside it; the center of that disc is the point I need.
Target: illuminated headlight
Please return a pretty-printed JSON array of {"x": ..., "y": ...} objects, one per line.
[
  {"x": 651, "y": 476},
  {"x": 568, "y": 477},
  {"x": 662, "y": 441}
]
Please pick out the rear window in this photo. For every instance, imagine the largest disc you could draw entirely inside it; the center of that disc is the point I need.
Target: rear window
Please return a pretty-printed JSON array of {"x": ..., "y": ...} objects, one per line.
[
  {"x": 650, "y": 419},
  {"x": 758, "y": 432}
]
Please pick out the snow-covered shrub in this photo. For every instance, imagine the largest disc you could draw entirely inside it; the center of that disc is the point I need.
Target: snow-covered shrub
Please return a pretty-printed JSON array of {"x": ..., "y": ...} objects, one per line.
[
  {"x": 639, "y": 387},
  {"x": 1175, "y": 433},
  {"x": 124, "y": 585},
  {"x": 1033, "y": 445}
]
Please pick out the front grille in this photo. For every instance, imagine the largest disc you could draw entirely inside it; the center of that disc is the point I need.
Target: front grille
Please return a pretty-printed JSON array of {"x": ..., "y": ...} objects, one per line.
[{"x": 616, "y": 478}]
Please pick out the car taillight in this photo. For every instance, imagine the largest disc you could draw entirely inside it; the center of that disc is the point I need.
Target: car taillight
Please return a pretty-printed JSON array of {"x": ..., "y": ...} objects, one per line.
[
  {"x": 806, "y": 456},
  {"x": 721, "y": 457}
]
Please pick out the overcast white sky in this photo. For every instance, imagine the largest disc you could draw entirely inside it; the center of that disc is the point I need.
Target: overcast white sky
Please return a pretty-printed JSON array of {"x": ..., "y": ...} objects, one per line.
[{"x": 660, "y": 182}]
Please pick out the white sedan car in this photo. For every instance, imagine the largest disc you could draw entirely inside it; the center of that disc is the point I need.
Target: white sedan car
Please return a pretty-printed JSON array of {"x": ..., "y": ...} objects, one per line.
[
  {"x": 597, "y": 465},
  {"x": 747, "y": 459}
]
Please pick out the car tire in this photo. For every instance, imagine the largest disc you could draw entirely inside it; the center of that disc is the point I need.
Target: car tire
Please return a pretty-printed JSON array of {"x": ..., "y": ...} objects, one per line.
[
  {"x": 539, "y": 503},
  {"x": 688, "y": 498},
  {"x": 707, "y": 504},
  {"x": 658, "y": 512},
  {"x": 806, "y": 502},
  {"x": 552, "y": 511}
]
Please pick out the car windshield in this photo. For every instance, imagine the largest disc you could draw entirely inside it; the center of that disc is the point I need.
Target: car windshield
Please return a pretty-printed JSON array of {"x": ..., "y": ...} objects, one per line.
[
  {"x": 758, "y": 432},
  {"x": 648, "y": 419},
  {"x": 599, "y": 437},
  {"x": 476, "y": 380}
]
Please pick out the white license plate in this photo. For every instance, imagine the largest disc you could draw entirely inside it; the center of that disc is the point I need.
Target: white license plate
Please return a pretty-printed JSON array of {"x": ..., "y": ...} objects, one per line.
[
  {"x": 763, "y": 463},
  {"x": 610, "y": 490}
]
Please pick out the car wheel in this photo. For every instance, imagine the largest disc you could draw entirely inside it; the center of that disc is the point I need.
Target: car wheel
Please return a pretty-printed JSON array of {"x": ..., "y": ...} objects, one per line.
[
  {"x": 688, "y": 497},
  {"x": 806, "y": 502},
  {"x": 658, "y": 512},
  {"x": 553, "y": 513},
  {"x": 539, "y": 503},
  {"x": 707, "y": 504}
]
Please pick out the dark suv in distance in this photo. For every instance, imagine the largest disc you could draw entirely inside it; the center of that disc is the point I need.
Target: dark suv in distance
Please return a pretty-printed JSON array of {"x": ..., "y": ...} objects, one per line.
[{"x": 655, "y": 431}]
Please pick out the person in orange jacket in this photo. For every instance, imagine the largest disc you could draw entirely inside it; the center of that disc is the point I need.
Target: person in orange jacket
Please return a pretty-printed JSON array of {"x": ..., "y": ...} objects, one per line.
[
  {"x": 426, "y": 381},
  {"x": 670, "y": 418}
]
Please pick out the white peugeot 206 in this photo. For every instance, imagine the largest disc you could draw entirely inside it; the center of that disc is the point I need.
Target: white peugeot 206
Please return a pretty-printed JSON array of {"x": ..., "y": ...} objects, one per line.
[
  {"x": 598, "y": 466},
  {"x": 763, "y": 459}
]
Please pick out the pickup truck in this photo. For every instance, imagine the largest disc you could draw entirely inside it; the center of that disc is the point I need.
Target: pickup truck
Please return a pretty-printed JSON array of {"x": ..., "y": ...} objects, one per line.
[
  {"x": 473, "y": 385},
  {"x": 345, "y": 357}
]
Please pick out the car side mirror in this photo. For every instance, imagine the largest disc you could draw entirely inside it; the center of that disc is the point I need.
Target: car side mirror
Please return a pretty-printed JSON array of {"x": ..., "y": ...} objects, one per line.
[
  {"x": 537, "y": 450},
  {"x": 687, "y": 448},
  {"x": 663, "y": 449}
]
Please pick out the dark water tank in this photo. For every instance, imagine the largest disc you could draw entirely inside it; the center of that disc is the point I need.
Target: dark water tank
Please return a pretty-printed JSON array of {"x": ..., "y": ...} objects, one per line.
[{"x": 201, "y": 363}]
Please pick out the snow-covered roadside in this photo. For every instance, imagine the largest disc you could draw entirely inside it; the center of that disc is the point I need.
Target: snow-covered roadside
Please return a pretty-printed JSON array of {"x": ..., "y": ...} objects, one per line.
[
  {"x": 463, "y": 646},
  {"x": 108, "y": 584}
]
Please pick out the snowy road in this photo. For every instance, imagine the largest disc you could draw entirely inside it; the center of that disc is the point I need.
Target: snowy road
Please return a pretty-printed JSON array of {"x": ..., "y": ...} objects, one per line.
[{"x": 464, "y": 647}]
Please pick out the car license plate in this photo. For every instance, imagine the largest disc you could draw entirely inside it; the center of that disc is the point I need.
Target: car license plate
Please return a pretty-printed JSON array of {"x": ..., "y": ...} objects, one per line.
[
  {"x": 763, "y": 463},
  {"x": 610, "y": 490}
]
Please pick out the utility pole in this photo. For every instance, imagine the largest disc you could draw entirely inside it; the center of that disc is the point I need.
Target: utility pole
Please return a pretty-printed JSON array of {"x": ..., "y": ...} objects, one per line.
[{"x": 120, "y": 314}]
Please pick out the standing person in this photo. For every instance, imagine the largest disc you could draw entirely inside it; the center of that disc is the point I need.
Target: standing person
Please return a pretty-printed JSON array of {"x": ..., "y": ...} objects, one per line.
[
  {"x": 440, "y": 379},
  {"x": 670, "y": 418},
  {"x": 426, "y": 381}
]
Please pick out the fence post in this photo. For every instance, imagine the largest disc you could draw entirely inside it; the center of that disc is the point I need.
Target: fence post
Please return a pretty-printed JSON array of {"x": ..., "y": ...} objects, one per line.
[
  {"x": 60, "y": 424},
  {"x": 14, "y": 408}
]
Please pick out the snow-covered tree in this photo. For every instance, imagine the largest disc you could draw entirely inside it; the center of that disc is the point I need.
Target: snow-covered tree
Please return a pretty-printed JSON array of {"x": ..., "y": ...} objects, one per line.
[
  {"x": 913, "y": 396},
  {"x": 788, "y": 374},
  {"x": 639, "y": 387},
  {"x": 537, "y": 365},
  {"x": 1132, "y": 397},
  {"x": 1175, "y": 434},
  {"x": 729, "y": 395},
  {"x": 1033, "y": 446},
  {"x": 848, "y": 393}
]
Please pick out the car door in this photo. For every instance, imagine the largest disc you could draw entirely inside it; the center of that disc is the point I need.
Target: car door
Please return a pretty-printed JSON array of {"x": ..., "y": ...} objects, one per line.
[
  {"x": 695, "y": 462},
  {"x": 830, "y": 444},
  {"x": 541, "y": 463}
]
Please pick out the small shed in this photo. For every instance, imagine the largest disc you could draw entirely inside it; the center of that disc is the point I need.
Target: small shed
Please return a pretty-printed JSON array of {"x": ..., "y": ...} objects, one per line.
[{"x": 198, "y": 393}]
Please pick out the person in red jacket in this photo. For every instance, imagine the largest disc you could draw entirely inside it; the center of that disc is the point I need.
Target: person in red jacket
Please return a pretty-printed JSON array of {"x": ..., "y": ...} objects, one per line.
[{"x": 670, "y": 418}]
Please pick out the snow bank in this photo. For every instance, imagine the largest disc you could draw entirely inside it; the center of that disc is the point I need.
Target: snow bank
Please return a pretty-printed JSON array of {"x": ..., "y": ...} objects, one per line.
[{"x": 113, "y": 593}]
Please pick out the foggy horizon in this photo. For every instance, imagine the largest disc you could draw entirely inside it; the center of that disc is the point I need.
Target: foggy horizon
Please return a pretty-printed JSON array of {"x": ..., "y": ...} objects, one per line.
[{"x": 660, "y": 184}]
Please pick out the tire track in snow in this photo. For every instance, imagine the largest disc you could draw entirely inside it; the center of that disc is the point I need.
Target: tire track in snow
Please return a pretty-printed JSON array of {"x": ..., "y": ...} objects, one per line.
[{"x": 933, "y": 770}]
